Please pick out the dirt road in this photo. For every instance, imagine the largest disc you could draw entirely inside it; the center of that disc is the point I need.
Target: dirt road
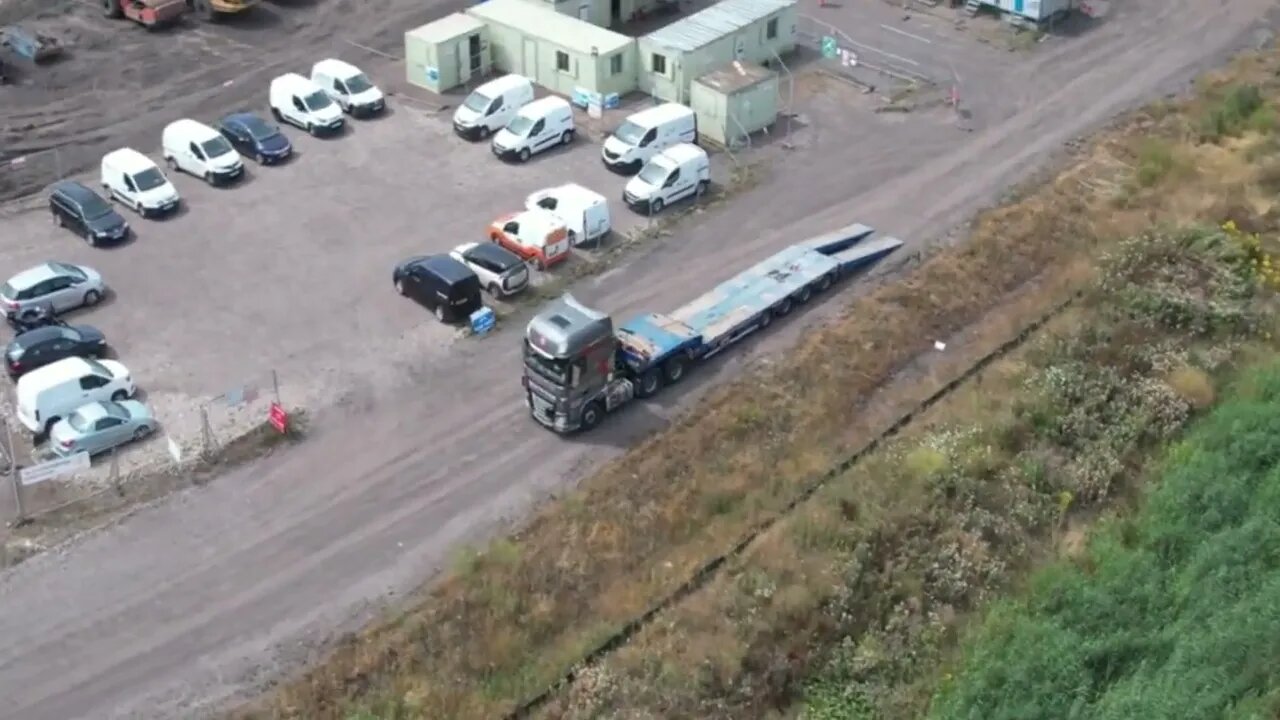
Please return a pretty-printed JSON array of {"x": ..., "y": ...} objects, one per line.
[{"x": 196, "y": 601}]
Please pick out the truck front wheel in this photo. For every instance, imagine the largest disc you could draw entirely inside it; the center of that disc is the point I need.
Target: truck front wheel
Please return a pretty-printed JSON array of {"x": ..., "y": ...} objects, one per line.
[
  {"x": 112, "y": 9},
  {"x": 592, "y": 414},
  {"x": 650, "y": 383}
]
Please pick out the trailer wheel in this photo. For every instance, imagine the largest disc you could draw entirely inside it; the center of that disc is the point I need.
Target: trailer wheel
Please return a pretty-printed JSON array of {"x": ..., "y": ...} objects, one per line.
[
  {"x": 803, "y": 296},
  {"x": 674, "y": 370},
  {"x": 826, "y": 281},
  {"x": 782, "y": 308},
  {"x": 650, "y": 383},
  {"x": 591, "y": 415},
  {"x": 112, "y": 9}
]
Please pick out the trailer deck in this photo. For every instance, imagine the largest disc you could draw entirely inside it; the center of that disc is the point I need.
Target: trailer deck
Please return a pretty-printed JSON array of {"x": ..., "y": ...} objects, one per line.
[{"x": 738, "y": 306}]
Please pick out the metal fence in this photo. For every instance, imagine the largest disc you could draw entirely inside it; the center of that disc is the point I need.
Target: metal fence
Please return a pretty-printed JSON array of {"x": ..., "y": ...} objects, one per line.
[
  {"x": 62, "y": 496},
  {"x": 28, "y": 173}
]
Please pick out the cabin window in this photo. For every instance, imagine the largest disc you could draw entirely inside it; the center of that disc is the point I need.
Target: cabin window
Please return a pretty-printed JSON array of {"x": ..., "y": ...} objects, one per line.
[
  {"x": 658, "y": 64},
  {"x": 615, "y": 65},
  {"x": 771, "y": 29},
  {"x": 562, "y": 61}
]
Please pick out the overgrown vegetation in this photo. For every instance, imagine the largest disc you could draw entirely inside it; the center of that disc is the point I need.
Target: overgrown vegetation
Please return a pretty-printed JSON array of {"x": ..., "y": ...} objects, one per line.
[
  {"x": 886, "y": 562},
  {"x": 1174, "y": 613}
]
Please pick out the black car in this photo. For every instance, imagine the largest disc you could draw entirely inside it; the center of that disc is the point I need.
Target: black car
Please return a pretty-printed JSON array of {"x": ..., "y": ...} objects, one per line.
[
  {"x": 449, "y": 288},
  {"x": 86, "y": 213},
  {"x": 42, "y": 346},
  {"x": 254, "y": 137}
]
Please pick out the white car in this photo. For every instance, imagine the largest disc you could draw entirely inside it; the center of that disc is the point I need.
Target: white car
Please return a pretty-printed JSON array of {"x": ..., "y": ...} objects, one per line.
[
  {"x": 298, "y": 101},
  {"x": 502, "y": 273},
  {"x": 347, "y": 86}
]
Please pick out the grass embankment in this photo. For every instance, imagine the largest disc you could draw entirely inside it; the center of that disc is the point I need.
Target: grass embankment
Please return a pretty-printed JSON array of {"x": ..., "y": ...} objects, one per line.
[
  {"x": 1173, "y": 613},
  {"x": 512, "y": 619}
]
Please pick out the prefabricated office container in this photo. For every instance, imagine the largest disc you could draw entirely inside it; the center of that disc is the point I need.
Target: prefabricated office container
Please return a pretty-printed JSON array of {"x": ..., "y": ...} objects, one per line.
[
  {"x": 558, "y": 52},
  {"x": 447, "y": 53},
  {"x": 751, "y": 31},
  {"x": 1037, "y": 11},
  {"x": 734, "y": 101}
]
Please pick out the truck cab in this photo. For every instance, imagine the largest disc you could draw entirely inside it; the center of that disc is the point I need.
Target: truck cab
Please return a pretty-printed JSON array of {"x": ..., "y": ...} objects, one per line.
[{"x": 573, "y": 373}]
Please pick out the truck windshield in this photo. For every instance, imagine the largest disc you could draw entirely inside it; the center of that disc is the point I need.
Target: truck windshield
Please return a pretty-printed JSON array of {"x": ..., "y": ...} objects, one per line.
[
  {"x": 148, "y": 179},
  {"x": 630, "y": 133},
  {"x": 317, "y": 100},
  {"x": 217, "y": 147},
  {"x": 557, "y": 371},
  {"x": 654, "y": 174},
  {"x": 357, "y": 84},
  {"x": 519, "y": 125},
  {"x": 476, "y": 102}
]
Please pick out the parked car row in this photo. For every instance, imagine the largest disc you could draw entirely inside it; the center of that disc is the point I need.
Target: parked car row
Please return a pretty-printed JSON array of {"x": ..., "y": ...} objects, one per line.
[
  {"x": 66, "y": 390},
  {"x": 213, "y": 152}
]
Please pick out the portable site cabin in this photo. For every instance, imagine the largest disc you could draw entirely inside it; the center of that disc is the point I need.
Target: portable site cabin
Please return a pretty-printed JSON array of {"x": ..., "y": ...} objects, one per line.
[
  {"x": 558, "y": 52},
  {"x": 449, "y": 52},
  {"x": 750, "y": 31},
  {"x": 734, "y": 101},
  {"x": 605, "y": 13},
  {"x": 1036, "y": 11}
]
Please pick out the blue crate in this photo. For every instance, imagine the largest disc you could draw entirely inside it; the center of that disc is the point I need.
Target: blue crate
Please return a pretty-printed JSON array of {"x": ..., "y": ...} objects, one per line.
[{"x": 483, "y": 320}]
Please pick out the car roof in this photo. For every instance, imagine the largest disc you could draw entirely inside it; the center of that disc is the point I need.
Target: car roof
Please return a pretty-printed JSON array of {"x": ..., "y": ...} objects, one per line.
[
  {"x": 681, "y": 152},
  {"x": 39, "y": 335},
  {"x": 92, "y": 411},
  {"x": 192, "y": 127},
  {"x": 32, "y": 276},
  {"x": 574, "y": 194},
  {"x": 495, "y": 253},
  {"x": 294, "y": 81},
  {"x": 335, "y": 68},
  {"x": 448, "y": 269},
  {"x": 659, "y": 114},
  {"x": 129, "y": 160},
  {"x": 497, "y": 86},
  {"x": 55, "y": 372},
  {"x": 544, "y": 105},
  {"x": 74, "y": 190}
]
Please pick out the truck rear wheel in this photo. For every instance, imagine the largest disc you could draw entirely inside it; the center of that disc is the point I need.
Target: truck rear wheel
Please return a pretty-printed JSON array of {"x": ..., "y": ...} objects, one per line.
[
  {"x": 650, "y": 383},
  {"x": 112, "y": 9},
  {"x": 592, "y": 414},
  {"x": 674, "y": 370}
]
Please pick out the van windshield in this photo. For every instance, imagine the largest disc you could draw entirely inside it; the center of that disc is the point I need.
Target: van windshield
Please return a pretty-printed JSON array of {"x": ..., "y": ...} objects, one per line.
[
  {"x": 630, "y": 133},
  {"x": 654, "y": 174},
  {"x": 477, "y": 102},
  {"x": 519, "y": 125},
  {"x": 217, "y": 147},
  {"x": 358, "y": 83},
  {"x": 317, "y": 100},
  {"x": 148, "y": 179}
]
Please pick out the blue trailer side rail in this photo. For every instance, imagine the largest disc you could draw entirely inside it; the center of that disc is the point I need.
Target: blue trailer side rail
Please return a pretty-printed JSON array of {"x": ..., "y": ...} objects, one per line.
[{"x": 747, "y": 301}]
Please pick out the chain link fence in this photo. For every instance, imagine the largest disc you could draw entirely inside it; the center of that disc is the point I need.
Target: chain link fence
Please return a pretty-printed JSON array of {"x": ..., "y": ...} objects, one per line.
[{"x": 26, "y": 174}]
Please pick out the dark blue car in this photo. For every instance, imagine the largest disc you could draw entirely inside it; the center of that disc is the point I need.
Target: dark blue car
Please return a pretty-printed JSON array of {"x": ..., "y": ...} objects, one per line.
[{"x": 256, "y": 138}]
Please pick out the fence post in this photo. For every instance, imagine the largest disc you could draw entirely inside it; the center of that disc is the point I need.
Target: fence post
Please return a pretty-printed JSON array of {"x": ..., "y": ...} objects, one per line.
[
  {"x": 275, "y": 386},
  {"x": 115, "y": 473},
  {"x": 13, "y": 475},
  {"x": 208, "y": 442}
]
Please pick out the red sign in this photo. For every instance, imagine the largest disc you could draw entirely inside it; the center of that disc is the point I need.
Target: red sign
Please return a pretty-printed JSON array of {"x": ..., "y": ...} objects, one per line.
[{"x": 278, "y": 417}]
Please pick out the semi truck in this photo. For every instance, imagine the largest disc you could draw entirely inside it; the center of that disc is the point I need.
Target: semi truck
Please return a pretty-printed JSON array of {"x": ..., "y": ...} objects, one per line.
[{"x": 578, "y": 367}]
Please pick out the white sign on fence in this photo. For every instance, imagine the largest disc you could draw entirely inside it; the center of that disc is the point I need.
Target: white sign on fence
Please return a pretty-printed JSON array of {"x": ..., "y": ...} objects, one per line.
[
  {"x": 175, "y": 452},
  {"x": 54, "y": 468}
]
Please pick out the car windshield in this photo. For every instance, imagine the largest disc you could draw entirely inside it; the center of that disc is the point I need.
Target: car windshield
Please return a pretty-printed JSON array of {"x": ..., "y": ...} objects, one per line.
[
  {"x": 477, "y": 102},
  {"x": 557, "y": 371},
  {"x": 259, "y": 128},
  {"x": 215, "y": 147},
  {"x": 654, "y": 174},
  {"x": 8, "y": 291},
  {"x": 519, "y": 125},
  {"x": 148, "y": 179},
  {"x": 358, "y": 83},
  {"x": 94, "y": 207},
  {"x": 630, "y": 133},
  {"x": 65, "y": 269},
  {"x": 317, "y": 100},
  {"x": 79, "y": 422},
  {"x": 116, "y": 410}
]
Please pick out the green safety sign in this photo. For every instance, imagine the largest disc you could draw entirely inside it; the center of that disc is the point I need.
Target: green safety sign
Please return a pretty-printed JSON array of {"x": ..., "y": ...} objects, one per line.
[{"x": 829, "y": 48}]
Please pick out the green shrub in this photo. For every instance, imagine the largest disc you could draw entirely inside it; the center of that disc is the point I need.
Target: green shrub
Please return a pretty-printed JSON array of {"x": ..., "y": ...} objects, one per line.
[{"x": 1241, "y": 108}]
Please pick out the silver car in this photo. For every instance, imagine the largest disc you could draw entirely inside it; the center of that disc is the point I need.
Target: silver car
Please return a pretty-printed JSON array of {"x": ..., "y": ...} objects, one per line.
[
  {"x": 61, "y": 286},
  {"x": 100, "y": 426}
]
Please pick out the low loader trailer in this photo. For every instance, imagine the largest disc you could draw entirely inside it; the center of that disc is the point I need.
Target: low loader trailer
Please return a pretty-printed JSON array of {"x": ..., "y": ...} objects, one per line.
[{"x": 578, "y": 367}]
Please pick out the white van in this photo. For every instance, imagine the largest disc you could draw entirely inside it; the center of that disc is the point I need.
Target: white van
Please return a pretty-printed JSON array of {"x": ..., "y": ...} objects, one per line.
[
  {"x": 298, "y": 101},
  {"x": 200, "y": 150},
  {"x": 583, "y": 211},
  {"x": 347, "y": 86},
  {"x": 491, "y": 106},
  {"x": 131, "y": 177},
  {"x": 677, "y": 172},
  {"x": 48, "y": 394},
  {"x": 537, "y": 126},
  {"x": 647, "y": 133}
]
